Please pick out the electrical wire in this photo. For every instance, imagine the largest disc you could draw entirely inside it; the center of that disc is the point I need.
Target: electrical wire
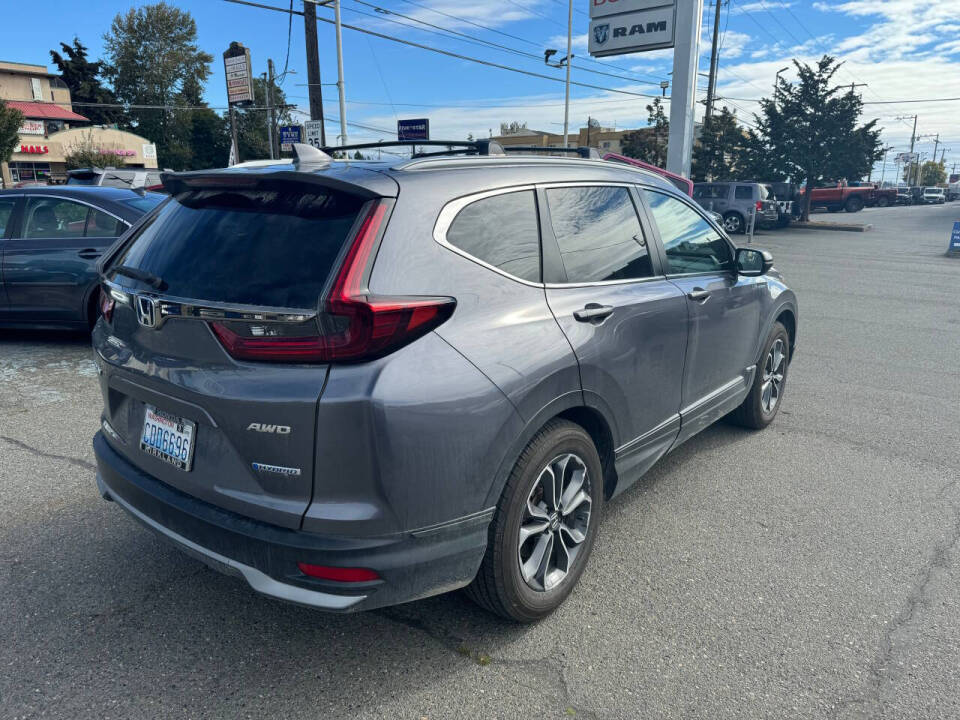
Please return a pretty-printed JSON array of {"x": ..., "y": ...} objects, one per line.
[{"x": 448, "y": 53}]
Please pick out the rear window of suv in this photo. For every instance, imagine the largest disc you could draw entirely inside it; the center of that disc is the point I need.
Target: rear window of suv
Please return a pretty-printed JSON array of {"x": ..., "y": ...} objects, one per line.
[{"x": 253, "y": 247}]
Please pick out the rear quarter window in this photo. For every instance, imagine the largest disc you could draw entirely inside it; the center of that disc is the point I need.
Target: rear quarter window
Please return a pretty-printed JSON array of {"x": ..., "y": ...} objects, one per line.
[{"x": 502, "y": 231}]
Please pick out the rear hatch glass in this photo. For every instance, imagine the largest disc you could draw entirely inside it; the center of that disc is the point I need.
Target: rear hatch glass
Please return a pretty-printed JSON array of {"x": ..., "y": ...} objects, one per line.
[{"x": 266, "y": 247}]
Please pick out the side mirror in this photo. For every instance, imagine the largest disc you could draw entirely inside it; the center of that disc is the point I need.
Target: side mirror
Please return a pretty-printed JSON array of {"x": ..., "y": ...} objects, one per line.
[{"x": 752, "y": 262}]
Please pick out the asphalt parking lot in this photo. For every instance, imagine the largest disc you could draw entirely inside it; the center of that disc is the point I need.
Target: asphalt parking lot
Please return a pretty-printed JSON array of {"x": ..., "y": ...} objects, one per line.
[{"x": 810, "y": 570}]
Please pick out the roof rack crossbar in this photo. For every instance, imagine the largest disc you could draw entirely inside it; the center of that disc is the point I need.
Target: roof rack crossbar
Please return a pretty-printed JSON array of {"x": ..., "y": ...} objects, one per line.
[
  {"x": 582, "y": 151},
  {"x": 459, "y": 147}
]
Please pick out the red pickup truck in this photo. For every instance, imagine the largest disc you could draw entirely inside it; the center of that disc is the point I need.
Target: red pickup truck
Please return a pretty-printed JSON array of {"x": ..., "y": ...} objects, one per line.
[{"x": 852, "y": 198}]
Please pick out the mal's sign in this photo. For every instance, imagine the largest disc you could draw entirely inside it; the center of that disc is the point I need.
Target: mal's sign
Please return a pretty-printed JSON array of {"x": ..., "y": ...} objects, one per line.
[
  {"x": 290, "y": 134},
  {"x": 418, "y": 129},
  {"x": 955, "y": 239},
  {"x": 628, "y": 26},
  {"x": 236, "y": 65}
]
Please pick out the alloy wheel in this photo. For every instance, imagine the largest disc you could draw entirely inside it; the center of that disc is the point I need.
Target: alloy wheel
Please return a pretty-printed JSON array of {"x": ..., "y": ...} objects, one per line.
[
  {"x": 732, "y": 223},
  {"x": 555, "y": 521},
  {"x": 774, "y": 369}
]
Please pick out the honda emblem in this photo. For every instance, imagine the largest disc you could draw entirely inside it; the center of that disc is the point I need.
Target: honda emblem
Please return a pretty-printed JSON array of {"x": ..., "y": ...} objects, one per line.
[{"x": 146, "y": 311}]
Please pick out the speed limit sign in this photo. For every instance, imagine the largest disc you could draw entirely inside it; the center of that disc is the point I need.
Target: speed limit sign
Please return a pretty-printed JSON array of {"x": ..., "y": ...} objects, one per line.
[{"x": 313, "y": 129}]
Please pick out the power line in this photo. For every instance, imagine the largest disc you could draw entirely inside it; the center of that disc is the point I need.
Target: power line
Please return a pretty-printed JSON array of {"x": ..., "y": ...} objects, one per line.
[
  {"x": 448, "y": 53},
  {"x": 475, "y": 40}
]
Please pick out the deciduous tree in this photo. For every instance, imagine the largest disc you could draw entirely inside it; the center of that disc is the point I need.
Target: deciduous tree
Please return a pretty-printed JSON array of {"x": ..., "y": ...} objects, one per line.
[{"x": 10, "y": 122}]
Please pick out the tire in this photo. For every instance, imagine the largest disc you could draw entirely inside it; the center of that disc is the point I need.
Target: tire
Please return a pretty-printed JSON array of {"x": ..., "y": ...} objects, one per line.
[
  {"x": 882, "y": 201},
  {"x": 501, "y": 585},
  {"x": 854, "y": 204},
  {"x": 756, "y": 412},
  {"x": 734, "y": 223}
]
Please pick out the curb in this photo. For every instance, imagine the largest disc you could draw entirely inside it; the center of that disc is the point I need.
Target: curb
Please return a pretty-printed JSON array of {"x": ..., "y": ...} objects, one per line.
[{"x": 838, "y": 227}]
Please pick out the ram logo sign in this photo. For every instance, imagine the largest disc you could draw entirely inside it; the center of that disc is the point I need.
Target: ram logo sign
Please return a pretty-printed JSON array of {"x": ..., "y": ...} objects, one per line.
[{"x": 616, "y": 32}]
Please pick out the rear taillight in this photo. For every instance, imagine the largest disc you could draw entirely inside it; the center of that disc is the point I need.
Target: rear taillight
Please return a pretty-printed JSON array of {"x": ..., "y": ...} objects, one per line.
[
  {"x": 107, "y": 304},
  {"x": 759, "y": 204},
  {"x": 352, "y": 326}
]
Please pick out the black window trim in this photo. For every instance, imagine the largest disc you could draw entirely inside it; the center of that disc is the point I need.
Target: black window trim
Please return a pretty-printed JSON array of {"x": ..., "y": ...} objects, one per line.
[
  {"x": 699, "y": 211},
  {"x": 549, "y": 240},
  {"x": 452, "y": 209}
]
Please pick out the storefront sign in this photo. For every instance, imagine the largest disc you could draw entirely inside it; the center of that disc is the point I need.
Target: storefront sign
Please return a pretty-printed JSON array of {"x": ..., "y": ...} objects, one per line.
[
  {"x": 418, "y": 129},
  {"x": 34, "y": 149},
  {"x": 236, "y": 64},
  {"x": 32, "y": 127},
  {"x": 647, "y": 29},
  {"x": 149, "y": 151},
  {"x": 290, "y": 134}
]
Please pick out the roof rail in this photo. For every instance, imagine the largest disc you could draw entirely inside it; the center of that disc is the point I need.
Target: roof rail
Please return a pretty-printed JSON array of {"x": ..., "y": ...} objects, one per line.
[
  {"x": 452, "y": 147},
  {"x": 587, "y": 153}
]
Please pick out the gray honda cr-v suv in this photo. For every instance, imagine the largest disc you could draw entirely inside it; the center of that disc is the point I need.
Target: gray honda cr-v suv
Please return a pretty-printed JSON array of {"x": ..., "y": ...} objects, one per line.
[{"x": 355, "y": 384}]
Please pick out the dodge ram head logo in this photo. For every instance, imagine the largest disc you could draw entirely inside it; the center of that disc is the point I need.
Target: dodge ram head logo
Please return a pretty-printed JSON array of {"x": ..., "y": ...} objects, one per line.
[{"x": 601, "y": 33}]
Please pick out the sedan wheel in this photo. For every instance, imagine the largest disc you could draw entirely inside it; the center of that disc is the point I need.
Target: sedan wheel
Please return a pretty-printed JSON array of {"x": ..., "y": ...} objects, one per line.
[{"x": 733, "y": 223}]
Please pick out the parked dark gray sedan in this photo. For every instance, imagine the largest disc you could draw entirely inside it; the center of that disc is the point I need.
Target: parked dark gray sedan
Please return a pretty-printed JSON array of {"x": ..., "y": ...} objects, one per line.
[
  {"x": 50, "y": 240},
  {"x": 358, "y": 384}
]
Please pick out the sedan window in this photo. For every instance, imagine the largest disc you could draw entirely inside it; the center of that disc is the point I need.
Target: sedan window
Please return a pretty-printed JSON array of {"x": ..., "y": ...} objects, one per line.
[
  {"x": 6, "y": 212},
  {"x": 54, "y": 218}
]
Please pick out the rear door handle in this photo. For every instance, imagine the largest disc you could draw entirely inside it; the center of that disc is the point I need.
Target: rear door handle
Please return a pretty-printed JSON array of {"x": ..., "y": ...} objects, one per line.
[
  {"x": 593, "y": 313},
  {"x": 89, "y": 253},
  {"x": 699, "y": 295}
]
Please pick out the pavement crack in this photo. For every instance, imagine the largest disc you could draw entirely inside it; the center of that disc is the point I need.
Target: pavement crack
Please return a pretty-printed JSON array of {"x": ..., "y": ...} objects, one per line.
[
  {"x": 77, "y": 462},
  {"x": 916, "y": 599}
]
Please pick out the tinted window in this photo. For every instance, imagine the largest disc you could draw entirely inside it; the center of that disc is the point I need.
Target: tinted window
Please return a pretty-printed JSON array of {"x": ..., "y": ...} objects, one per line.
[
  {"x": 6, "y": 211},
  {"x": 709, "y": 192},
  {"x": 743, "y": 192},
  {"x": 100, "y": 224},
  {"x": 146, "y": 203},
  {"x": 691, "y": 243},
  {"x": 599, "y": 235},
  {"x": 120, "y": 179},
  {"x": 502, "y": 231},
  {"x": 254, "y": 247},
  {"x": 54, "y": 218}
]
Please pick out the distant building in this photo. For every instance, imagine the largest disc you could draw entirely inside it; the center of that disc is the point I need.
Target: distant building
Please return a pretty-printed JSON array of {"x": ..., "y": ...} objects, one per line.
[
  {"x": 604, "y": 139},
  {"x": 52, "y": 128}
]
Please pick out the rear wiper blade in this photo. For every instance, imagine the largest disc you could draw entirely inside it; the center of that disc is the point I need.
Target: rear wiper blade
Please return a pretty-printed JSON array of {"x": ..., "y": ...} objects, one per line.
[{"x": 149, "y": 278}]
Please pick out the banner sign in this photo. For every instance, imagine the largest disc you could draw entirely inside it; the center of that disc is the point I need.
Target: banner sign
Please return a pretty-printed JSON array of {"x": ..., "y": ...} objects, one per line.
[
  {"x": 290, "y": 134},
  {"x": 648, "y": 29},
  {"x": 417, "y": 129},
  {"x": 955, "y": 239},
  {"x": 236, "y": 65},
  {"x": 602, "y": 8}
]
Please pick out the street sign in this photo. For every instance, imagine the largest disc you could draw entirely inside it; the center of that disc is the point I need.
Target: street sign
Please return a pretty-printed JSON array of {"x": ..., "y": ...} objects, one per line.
[
  {"x": 236, "y": 66},
  {"x": 954, "y": 240},
  {"x": 290, "y": 134},
  {"x": 648, "y": 28},
  {"x": 417, "y": 129},
  {"x": 313, "y": 131}
]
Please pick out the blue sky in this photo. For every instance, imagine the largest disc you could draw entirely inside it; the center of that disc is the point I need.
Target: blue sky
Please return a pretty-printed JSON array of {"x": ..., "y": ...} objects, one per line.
[{"x": 902, "y": 49}]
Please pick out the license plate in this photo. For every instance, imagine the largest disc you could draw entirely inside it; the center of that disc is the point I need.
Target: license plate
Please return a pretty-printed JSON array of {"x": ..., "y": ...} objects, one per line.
[{"x": 168, "y": 437}]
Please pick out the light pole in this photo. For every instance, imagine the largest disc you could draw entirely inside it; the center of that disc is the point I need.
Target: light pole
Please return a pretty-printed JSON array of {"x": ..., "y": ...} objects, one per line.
[
  {"x": 550, "y": 52},
  {"x": 776, "y": 80},
  {"x": 883, "y": 171}
]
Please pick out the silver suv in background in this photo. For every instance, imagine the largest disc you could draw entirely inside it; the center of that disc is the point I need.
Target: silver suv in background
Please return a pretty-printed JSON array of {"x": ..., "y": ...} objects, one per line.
[
  {"x": 126, "y": 178},
  {"x": 737, "y": 201},
  {"x": 355, "y": 384}
]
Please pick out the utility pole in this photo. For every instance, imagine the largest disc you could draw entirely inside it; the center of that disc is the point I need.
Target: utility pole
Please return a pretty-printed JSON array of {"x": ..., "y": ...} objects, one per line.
[
  {"x": 566, "y": 102},
  {"x": 271, "y": 118},
  {"x": 343, "y": 101},
  {"x": 714, "y": 59},
  {"x": 315, "y": 90},
  {"x": 913, "y": 141},
  {"x": 883, "y": 172}
]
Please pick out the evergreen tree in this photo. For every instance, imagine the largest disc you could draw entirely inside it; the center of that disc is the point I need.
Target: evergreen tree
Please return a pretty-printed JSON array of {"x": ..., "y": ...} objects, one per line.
[
  {"x": 10, "y": 122},
  {"x": 718, "y": 154},
  {"x": 84, "y": 80},
  {"x": 808, "y": 132},
  {"x": 252, "y": 136},
  {"x": 649, "y": 144}
]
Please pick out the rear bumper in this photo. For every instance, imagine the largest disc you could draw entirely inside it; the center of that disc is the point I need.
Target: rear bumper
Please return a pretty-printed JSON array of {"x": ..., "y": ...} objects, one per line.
[{"x": 411, "y": 565}]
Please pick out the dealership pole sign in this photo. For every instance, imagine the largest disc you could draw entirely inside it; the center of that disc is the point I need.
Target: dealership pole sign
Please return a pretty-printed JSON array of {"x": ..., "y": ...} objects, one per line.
[
  {"x": 618, "y": 27},
  {"x": 416, "y": 129}
]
